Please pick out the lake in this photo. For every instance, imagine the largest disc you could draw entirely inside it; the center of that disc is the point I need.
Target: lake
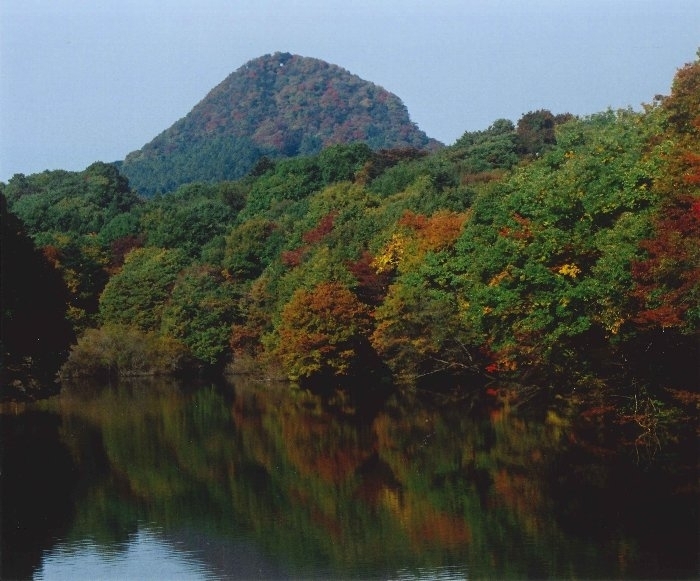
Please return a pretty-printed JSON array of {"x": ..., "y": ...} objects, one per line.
[{"x": 152, "y": 479}]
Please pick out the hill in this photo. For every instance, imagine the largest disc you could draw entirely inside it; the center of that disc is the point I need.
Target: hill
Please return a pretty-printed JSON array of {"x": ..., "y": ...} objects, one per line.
[{"x": 278, "y": 105}]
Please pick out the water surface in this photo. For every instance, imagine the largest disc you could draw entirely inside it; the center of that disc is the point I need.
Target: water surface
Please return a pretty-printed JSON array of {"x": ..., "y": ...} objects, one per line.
[{"x": 150, "y": 480}]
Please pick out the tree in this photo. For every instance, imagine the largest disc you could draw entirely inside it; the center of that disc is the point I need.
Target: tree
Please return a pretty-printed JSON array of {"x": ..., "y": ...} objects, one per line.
[
  {"x": 137, "y": 294},
  {"x": 34, "y": 329},
  {"x": 200, "y": 312},
  {"x": 191, "y": 217},
  {"x": 668, "y": 278},
  {"x": 83, "y": 263},
  {"x": 250, "y": 247},
  {"x": 535, "y": 131},
  {"x": 417, "y": 330},
  {"x": 75, "y": 203},
  {"x": 495, "y": 148},
  {"x": 322, "y": 332},
  {"x": 342, "y": 162}
]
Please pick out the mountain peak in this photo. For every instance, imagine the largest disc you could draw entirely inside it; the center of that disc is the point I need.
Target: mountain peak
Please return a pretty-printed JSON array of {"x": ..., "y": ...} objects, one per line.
[{"x": 279, "y": 105}]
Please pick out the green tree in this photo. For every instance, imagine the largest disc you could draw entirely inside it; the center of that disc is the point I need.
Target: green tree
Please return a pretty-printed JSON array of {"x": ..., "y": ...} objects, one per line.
[
  {"x": 191, "y": 217},
  {"x": 340, "y": 163},
  {"x": 201, "y": 308},
  {"x": 495, "y": 148},
  {"x": 71, "y": 202},
  {"x": 250, "y": 247},
  {"x": 136, "y": 296},
  {"x": 544, "y": 263}
]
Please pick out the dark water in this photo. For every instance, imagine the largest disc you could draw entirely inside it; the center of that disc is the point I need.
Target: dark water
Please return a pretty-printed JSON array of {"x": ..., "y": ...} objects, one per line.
[{"x": 148, "y": 480}]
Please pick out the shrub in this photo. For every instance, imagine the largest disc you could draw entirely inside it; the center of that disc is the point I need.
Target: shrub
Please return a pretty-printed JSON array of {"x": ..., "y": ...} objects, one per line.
[{"x": 116, "y": 350}]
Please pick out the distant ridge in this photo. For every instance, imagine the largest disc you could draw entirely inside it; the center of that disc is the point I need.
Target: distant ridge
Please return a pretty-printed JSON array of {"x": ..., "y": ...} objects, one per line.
[{"x": 279, "y": 105}]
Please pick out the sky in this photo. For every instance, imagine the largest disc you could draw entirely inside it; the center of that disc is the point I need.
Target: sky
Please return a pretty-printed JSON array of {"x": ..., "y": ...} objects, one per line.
[{"x": 87, "y": 80}]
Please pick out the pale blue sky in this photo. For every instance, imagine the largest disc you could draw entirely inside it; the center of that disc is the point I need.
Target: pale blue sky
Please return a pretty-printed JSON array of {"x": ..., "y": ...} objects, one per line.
[{"x": 88, "y": 80}]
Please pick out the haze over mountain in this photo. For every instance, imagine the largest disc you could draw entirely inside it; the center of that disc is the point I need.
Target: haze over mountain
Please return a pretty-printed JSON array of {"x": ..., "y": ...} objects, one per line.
[{"x": 278, "y": 105}]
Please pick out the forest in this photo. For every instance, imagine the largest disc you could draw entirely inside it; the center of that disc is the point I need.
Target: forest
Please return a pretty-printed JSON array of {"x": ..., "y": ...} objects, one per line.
[{"x": 555, "y": 258}]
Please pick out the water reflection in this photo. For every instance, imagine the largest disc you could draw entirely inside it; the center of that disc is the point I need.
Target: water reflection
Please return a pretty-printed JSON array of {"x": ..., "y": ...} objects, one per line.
[{"x": 261, "y": 481}]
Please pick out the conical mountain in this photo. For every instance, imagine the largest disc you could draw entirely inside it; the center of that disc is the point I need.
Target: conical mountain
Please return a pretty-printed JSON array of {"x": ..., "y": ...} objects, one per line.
[{"x": 279, "y": 105}]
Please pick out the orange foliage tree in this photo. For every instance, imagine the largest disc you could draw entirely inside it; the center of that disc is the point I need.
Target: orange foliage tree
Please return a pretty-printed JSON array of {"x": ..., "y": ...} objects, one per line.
[{"x": 322, "y": 332}]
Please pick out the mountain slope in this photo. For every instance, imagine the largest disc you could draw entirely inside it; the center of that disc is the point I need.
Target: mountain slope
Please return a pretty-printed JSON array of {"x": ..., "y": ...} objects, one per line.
[{"x": 278, "y": 105}]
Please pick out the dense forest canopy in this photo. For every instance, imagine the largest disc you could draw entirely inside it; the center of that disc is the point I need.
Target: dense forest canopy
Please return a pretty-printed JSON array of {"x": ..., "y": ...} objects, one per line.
[
  {"x": 558, "y": 256},
  {"x": 278, "y": 105}
]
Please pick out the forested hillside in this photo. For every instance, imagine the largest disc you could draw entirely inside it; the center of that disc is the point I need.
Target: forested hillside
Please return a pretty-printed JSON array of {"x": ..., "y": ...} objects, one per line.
[
  {"x": 555, "y": 257},
  {"x": 278, "y": 105}
]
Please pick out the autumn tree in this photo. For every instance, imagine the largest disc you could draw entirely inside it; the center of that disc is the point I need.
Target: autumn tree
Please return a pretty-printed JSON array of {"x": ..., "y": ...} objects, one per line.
[
  {"x": 417, "y": 330},
  {"x": 83, "y": 263},
  {"x": 417, "y": 327},
  {"x": 668, "y": 279},
  {"x": 322, "y": 332}
]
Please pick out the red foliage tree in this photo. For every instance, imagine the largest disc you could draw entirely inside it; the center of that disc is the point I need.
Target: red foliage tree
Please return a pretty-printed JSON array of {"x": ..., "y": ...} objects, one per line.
[
  {"x": 325, "y": 225},
  {"x": 668, "y": 280},
  {"x": 371, "y": 286}
]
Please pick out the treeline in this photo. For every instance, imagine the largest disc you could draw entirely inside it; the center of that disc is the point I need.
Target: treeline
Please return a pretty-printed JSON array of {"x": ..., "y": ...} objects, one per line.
[{"x": 560, "y": 253}]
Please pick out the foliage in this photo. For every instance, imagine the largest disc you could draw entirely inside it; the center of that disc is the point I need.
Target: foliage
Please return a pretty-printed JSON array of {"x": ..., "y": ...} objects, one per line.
[
  {"x": 416, "y": 329},
  {"x": 82, "y": 262},
  {"x": 668, "y": 278},
  {"x": 494, "y": 148},
  {"x": 34, "y": 330},
  {"x": 75, "y": 217},
  {"x": 322, "y": 332},
  {"x": 249, "y": 248},
  {"x": 120, "y": 350},
  {"x": 77, "y": 202},
  {"x": 536, "y": 131},
  {"x": 289, "y": 181},
  {"x": 163, "y": 168},
  {"x": 191, "y": 217},
  {"x": 200, "y": 312},
  {"x": 137, "y": 294},
  {"x": 255, "y": 309},
  {"x": 544, "y": 263}
]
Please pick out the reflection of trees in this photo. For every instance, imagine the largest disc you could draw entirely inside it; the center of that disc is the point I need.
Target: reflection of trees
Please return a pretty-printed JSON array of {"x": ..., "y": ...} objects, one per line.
[
  {"x": 37, "y": 477},
  {"x": 418, "y": 486}
]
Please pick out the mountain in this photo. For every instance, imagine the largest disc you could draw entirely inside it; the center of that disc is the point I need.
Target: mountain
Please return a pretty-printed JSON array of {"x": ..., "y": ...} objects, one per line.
[{"x": 278, "y": 105}]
